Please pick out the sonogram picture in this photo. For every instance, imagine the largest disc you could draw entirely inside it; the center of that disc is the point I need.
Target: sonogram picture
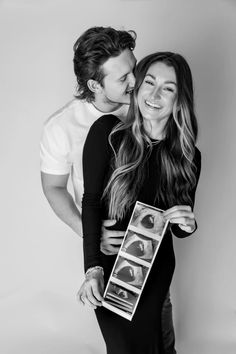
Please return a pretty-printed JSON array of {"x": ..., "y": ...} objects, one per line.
[{"x": 141, "y": 242}]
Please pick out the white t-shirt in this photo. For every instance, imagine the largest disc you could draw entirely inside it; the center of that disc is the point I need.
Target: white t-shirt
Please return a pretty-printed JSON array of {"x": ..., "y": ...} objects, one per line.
[{"x": 63, "y": 138}]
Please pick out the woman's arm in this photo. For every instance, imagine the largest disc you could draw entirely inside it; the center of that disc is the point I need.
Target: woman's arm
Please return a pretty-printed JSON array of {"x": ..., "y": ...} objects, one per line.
[
  {"x": 96, "y": 163},
  {"x": 181, "y": 217}
]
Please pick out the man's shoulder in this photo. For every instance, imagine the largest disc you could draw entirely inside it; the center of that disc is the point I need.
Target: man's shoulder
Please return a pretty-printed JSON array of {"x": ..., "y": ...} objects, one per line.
[{"x": 64, "y": 114}]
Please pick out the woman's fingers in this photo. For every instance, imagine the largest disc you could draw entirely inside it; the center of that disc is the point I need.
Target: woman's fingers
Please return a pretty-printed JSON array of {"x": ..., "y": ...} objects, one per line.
[
  {"x": 88, "y": 302},
  {"x": 178, "y": 211},
  {"x": 181, "y": 215},
  {"x": 80, "y": 294},
  {"x": 87, "y": 298},
  {"x": 90, "y": 292},
  {"x": 183, "y": 219},
  {"x": 183, "y": 212},
  {"x": 96, "y": 291},
  {"x": 94, "y": 300}
]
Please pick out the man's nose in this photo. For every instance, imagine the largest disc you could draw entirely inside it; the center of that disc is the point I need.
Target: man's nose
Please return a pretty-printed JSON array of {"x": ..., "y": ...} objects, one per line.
[{"x": 131, "y": 80}]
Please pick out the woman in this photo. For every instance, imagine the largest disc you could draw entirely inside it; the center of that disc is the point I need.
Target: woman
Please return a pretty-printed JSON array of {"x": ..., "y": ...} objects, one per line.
[{"x": 151, "y": 158}]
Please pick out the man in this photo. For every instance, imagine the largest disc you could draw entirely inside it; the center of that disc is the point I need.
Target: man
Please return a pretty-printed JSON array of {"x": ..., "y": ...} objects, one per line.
[{"x": 103, "y": 64}]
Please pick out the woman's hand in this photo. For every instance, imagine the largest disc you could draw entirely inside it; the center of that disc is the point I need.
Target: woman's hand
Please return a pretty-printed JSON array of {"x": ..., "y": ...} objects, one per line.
[
  {"x": 181, "y": 215},
  {"x": 92, "y": 288}
]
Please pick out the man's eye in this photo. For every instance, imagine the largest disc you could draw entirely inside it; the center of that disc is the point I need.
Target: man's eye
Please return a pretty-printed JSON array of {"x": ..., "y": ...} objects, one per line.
[{"x": 123, "y": 79}]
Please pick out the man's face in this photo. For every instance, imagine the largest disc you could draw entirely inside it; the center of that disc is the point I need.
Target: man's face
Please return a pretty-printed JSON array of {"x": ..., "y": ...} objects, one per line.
[{"x": 119, "y": 80}]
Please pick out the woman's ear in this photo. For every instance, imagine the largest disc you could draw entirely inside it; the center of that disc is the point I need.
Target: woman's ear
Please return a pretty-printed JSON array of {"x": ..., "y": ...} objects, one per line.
[{"x": 94, "y": 86}]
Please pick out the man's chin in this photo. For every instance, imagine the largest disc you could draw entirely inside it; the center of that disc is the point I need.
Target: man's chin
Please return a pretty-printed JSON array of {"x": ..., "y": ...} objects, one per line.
[
  {"x": 123, "y": 101},
  {"x": 126, "y": 100}
]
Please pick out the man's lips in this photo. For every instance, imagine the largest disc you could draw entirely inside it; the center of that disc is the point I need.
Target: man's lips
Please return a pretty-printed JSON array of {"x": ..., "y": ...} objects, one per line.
[{"x": 129, "y": 91}]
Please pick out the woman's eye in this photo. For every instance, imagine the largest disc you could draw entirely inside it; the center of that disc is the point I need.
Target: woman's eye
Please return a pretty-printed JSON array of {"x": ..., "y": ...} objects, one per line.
[
  {"x": 149, "y": 82},
  {"x": 169, "y": 89}
]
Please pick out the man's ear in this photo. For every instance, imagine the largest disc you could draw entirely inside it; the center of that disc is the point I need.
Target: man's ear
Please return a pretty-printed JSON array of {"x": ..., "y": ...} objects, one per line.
[{"x": 94, "y": 86}]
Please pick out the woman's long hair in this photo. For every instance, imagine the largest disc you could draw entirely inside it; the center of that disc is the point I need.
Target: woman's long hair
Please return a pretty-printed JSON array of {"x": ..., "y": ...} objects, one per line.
[{"x": 175, "y": 152}]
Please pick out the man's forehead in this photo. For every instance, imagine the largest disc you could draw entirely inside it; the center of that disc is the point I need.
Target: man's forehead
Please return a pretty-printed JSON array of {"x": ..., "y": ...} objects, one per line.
[{"x": 120, "y": 65}]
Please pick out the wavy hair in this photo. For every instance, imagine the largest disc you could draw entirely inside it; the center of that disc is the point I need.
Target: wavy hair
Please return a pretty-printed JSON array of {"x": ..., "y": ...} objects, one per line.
[
  {"x": 92, "y": 49},
  {"x": 175, "y": 153}
]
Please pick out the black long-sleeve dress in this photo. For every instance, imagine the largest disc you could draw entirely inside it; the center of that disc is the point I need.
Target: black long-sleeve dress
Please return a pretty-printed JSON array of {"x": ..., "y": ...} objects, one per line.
[{"x": 143, "y": 334}]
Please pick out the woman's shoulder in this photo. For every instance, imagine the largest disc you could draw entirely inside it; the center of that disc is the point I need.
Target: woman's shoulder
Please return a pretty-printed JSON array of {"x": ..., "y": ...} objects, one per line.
[
  {"x": 197, "y": 153},
  {"x": 102, "y": 127},
  {"x": 106, "y": 122},
  {"x": 197, "y": 156},
  {"x": 198, "y": 162}
]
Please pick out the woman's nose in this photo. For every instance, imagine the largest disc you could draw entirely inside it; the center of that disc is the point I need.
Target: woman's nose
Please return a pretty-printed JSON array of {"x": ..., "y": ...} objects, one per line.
[{"x": 156, "y": 93}]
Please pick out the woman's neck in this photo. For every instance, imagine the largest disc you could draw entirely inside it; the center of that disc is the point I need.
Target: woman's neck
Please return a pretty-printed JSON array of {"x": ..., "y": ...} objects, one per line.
[{"x": 155, "y": 130}]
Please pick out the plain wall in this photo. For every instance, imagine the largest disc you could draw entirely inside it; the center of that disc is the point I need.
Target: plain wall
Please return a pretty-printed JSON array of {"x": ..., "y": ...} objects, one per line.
[{"x": 40, "y": 257}]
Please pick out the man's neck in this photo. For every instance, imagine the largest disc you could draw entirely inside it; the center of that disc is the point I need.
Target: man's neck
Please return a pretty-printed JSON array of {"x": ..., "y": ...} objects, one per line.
[{"x": 105, "y": 107}]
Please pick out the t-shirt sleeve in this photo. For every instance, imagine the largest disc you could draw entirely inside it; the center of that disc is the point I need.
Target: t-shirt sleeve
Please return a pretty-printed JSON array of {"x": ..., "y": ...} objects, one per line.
[
  {"x": 177, "y": 231},
  {"x": 54, "y": 150},
  {"x": 96, "y": 162}
]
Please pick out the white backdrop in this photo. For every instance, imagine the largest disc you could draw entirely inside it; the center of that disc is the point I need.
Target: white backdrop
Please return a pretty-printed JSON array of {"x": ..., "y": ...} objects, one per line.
[{"x": 40, "y": 257}]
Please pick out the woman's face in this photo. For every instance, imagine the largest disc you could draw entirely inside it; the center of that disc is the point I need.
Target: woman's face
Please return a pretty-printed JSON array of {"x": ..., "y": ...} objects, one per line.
[{"x": 157, "y": 93}]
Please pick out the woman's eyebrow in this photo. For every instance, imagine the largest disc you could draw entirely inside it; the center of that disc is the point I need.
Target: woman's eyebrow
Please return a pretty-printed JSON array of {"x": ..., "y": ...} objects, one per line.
[
  {"x": 152, "y": 76},
  {"x": 166, "y": 82}
]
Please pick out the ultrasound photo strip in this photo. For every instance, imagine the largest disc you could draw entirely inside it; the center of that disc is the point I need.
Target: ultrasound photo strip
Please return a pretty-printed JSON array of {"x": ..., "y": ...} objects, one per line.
[{"x": 134, "y": 260}]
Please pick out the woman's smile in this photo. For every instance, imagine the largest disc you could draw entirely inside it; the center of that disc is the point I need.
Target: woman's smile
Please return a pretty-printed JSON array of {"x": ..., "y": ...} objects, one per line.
[{"x": 152, "y": 105}]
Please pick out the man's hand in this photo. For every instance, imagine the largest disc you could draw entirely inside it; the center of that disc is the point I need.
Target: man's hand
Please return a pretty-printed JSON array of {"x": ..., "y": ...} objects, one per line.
[
  {"x": 92, "y": 289},
  {"x": 183, "y": 216},
  {"x": 111, "y": 239}
]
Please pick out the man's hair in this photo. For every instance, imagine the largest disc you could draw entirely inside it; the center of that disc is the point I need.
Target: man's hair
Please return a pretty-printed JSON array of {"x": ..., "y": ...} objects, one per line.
[{"x": 92, "y": 49}]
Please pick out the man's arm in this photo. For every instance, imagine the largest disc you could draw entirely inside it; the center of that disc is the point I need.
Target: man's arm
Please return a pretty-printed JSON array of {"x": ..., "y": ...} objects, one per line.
[{"x": 61, "y": 201}]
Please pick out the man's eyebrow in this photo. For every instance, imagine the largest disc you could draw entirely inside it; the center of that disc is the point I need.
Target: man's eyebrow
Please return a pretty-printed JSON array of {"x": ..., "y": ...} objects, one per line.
[
  {"x": 129, "y": 71},
  {"x": 166, "y": 82}
]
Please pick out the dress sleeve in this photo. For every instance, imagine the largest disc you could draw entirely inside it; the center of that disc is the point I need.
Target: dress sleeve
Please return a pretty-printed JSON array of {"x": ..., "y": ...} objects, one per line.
[
  {"x": 177, "y": 231},
  {"x": 96, "y": 162}
]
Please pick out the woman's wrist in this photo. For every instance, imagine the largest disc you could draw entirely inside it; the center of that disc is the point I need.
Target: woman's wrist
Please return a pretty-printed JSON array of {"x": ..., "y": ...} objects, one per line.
[
  {"x": 94, "y": 269},
  {"x": 180, "y": 231}
]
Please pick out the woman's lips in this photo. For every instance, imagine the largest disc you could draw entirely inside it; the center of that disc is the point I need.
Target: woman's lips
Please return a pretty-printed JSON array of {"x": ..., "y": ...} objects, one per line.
[{"x": 152, "y": 104}]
